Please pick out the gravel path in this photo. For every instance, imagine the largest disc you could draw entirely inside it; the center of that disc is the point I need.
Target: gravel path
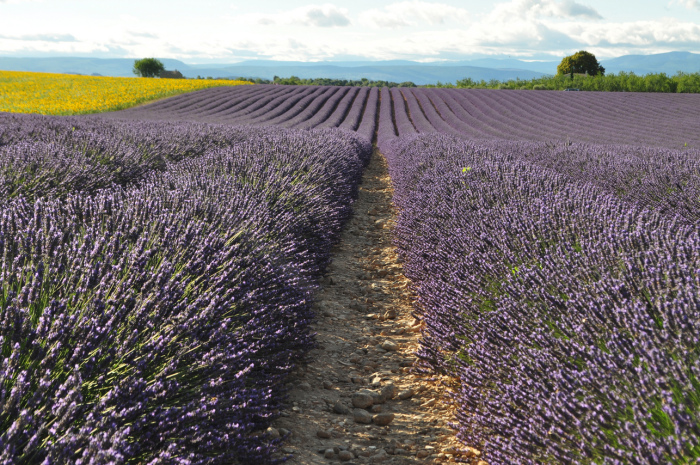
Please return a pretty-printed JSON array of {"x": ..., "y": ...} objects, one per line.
[{"x": 358, "y": 400}]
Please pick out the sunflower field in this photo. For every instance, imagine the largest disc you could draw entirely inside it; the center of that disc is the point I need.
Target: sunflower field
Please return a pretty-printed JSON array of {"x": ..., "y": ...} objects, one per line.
[{"x": 66, "y": 94}]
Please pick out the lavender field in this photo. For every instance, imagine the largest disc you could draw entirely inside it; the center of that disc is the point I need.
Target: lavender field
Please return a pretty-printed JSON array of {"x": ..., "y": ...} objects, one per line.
[{"x": 159, "y": 265}]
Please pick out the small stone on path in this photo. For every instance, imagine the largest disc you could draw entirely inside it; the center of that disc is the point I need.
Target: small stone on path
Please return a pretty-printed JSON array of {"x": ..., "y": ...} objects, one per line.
[
  {"x": 389, "y": 346},
  {"x": 362, "y": 400},
  {"x": 389, "y": 391},
  {"x": 383, "y": 419},
  {"x": 362, "y": 416},
  {"x": 340, "y": 408}
]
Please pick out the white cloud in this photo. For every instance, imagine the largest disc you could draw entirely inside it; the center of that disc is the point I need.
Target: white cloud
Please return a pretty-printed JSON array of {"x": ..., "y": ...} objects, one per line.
[
  {"x": 145, "y": 35},
  {"x": 664, "y": 32},
  {"x": 531, "y": 9},
  {"x": 326, "y": 15},
  {"x": 528, "y": 28},
  {"x": 42, "y": 37},
  {"x": 690, "y": 4},
  {"x": 413, "y": 13}
]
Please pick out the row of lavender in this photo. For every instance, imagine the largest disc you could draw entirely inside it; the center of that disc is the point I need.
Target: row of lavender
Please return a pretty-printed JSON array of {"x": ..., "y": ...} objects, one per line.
[
  {"x": 560, "y": 285},
  {"x": 300, "y": 107},
  {"x": 593, "y": 117},
  {"x": 42, "y": 156},
  {"x": 151, "y": 316}
]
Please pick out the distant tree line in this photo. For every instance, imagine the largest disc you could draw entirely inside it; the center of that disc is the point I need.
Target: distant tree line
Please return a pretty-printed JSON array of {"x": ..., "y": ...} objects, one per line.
[
  {"x": 296, "y": 81},
  {"x": 578, "y": 71},
  {"x": 581, "y": 71},
  {"x": 621, "y": 82}
]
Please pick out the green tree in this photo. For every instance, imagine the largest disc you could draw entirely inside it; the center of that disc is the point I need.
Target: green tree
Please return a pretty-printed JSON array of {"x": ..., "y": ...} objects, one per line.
[
  {"x": 581, "y": 62},
  {"x": 148, "y": 67}
]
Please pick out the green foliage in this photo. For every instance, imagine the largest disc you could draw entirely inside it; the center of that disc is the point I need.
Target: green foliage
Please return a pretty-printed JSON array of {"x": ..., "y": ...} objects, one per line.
[
  {"x": 581, "y": 62},
  {"x": 148, "y": 67},
  {"x": 621, "y": 82}
]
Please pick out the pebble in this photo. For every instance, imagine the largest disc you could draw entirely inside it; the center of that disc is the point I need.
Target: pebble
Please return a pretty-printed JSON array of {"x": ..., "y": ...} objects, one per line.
[
  {"x": 362, "y": 416},
  {"x": 376, "y": 409},
  {"x": 362, "y": 400},
  {"x": 421, "y": 454},
  {"x": 383, "y": 419},
  {"x": 407, "y": 394},
  {"x": 389, "y": 345},
  {"x": 305, "y": 386},
  {"x": 272, "y": 433},
  {"x": 327, "y": 385},
  {"x": 341, "y": 409},
  {"x": 329, "y": 453},
  {"x": 323, "y": 434},
  {"x": 285, "y": 432},
  {"x": 345, "y": 455},
  {"x": 379, "y": 456},
  {"x": 377, "y": 398},
  {"x": 390, "y": 391},
  {"x": 390, "y": 314}
]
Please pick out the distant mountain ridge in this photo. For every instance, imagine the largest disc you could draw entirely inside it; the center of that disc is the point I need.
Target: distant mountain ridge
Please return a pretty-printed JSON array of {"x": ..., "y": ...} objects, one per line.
[
  {"x": 499, "y": 68},
  {"x": 669, "y": 63}
]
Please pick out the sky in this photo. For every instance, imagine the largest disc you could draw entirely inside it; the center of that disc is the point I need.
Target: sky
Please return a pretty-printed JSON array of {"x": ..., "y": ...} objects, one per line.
[{"x": 209, "y": 31}]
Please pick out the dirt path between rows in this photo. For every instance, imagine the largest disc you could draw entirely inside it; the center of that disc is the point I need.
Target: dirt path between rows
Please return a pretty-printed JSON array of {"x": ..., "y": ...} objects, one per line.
[{"x": 358, "y": 400}]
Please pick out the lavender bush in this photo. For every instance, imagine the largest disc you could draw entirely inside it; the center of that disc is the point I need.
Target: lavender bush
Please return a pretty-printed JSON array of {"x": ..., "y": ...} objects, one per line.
[
  {"x": 155, "y": 322},
  {"x": 569, "y": 316}
]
